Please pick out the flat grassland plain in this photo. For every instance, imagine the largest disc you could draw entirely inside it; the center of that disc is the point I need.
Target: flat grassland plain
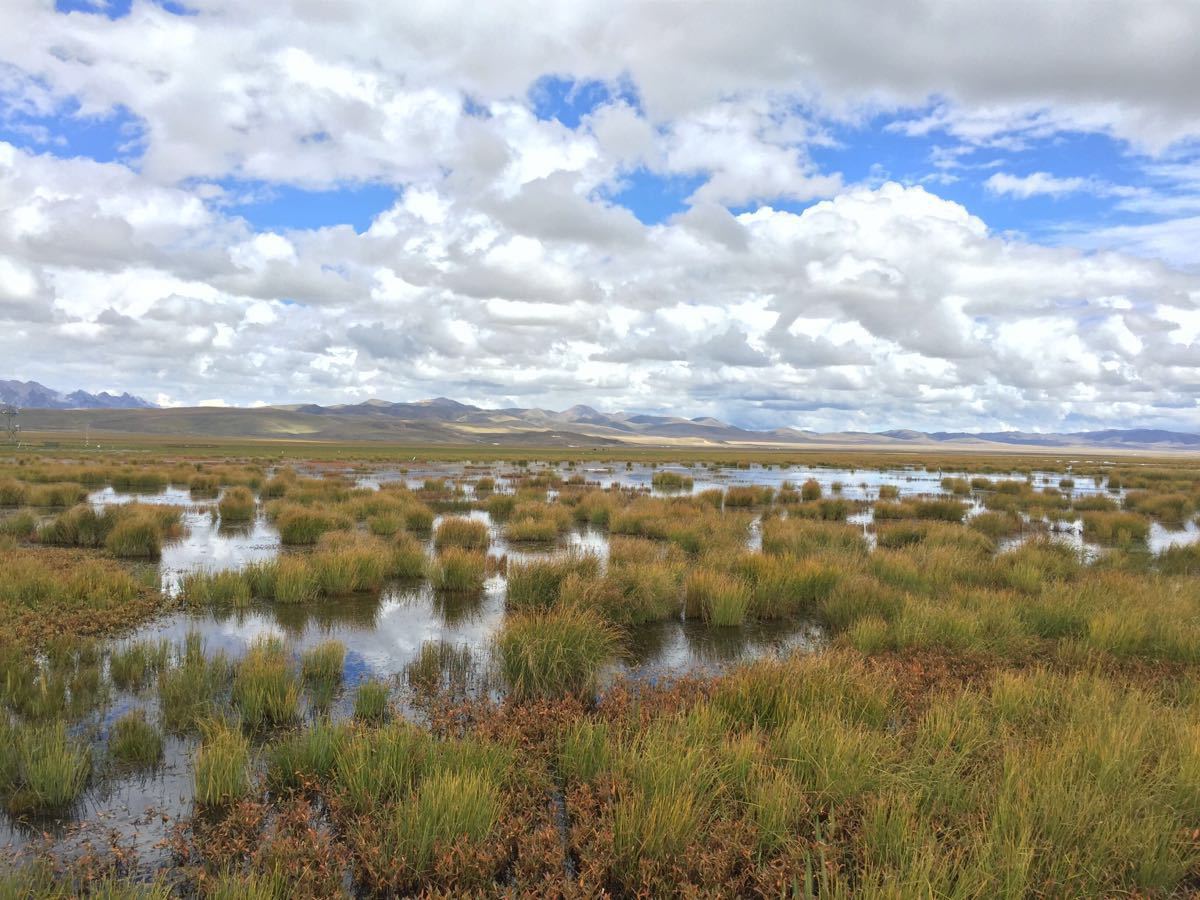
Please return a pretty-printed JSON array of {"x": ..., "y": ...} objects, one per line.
[{"x": 285, "y": 669}]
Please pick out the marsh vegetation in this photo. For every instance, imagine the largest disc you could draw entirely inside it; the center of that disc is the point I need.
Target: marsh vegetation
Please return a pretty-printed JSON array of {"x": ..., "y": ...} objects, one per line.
[{"x": 589, "y": 679}]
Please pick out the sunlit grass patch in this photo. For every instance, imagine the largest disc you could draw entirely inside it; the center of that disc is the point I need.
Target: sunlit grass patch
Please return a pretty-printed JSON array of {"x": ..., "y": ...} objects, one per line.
[
  {"x": 801, "y": 537},
  {"x": 44, "y": 769},
  {"x": 554, "y": 652},
  {"x": 537, "y": 584},
  {"x": 237, "y": 504},
  {"x": 718, "y": 598},
  {"x": 305, "y": 525},
  {"x": 783, "y": 586},
  {"x": 221, "y": 772},
  {"x": 458, "y": 570},
  {"x": 372, "y": 701},
  {"x": 465, "y": 534},
  {"x": 346, "y": 563},
  {"x": 190, "y": 689},
  {"x": 226, "y": 588},
  {"x": 741, "y": 496},
  {"x": 671, "y": 481},
  {"x": 265, "y": 690},
  {"x": 1115, "y": 527},
  {"x": 629, "y": 594}
]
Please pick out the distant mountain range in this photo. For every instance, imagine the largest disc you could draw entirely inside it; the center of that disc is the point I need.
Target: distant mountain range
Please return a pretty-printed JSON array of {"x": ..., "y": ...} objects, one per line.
[
  {"x": 442, "y": 421},
  {"x": 31, "y": 395}
]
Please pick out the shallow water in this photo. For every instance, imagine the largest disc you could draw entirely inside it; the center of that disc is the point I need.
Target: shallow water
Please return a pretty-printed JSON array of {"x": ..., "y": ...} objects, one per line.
[{"x": 856, "y": 484}]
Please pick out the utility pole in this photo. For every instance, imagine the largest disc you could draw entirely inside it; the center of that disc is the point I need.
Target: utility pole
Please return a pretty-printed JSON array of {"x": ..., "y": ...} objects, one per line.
[{"x": 12, "y": 430}]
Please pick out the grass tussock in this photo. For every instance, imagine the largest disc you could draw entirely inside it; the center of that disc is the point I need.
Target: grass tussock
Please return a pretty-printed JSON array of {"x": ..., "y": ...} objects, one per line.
[
  {"x": 464, "y": 534},
  {"x": 135, "y": 742},
  {"x": 221, "y": 771},
  {"x": 537, "y": 584},
  {"x": 719, "y": 599},
  {"x": 456, "y": 570},
  {"x": 265, "y": 690},
  {"x": 554, "y": 652},
  {"x": 236, "y": 505},
  {"x": 42, "y": 769}
]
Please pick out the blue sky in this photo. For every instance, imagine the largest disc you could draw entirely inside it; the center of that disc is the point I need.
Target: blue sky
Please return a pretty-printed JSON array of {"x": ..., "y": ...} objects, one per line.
[{"x": 621, "y": 216}]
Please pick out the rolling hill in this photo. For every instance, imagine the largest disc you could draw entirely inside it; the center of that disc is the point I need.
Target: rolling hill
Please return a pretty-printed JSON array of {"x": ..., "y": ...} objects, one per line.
[{"x": 442, "y": 421}]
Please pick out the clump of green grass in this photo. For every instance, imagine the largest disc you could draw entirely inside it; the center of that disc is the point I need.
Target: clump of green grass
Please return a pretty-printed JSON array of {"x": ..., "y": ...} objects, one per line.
[
  {"x": 321, "y": 670},
  {"x": 802, "y": 537},
  {"x": 996, "y": 524},
  {"x": 408, "y": 558},
  {"x": 188, "y": 692},
  {"x": 294, "y": 581},
  {"x": 226, "y": 588},
  {"x": 265, "y": 690},
  {"x": 22, "y": 525},
  {"x": 46, "y": 770},
  {"x": 377, "y": 766},
  {"x": 465, "y": 534},
  {"x": 386, "y": 524},
  {"x": 457, "y": 570},
  {"x": 1180, "y": 560},
  {"x": 55, "y": 495},
  {"x": 448, "y": 808},
  {"x": 741, "y": 496},
  {"x": 135, "y": 537},
  {"x": 1170, "y": 508},
  {"x": 811, "y": 490},
  {"x": 236, "y": 505},
  {"x": 221, "y": 767},
  {"x": 204, "y": 485},
  {"x": 629, "y": 594},
  {"x": 134, "y": 741},
  {"x": 957, "y": 486},
  {"x": 299, "y": 525},
  {"x": 537, "y": 584},
  {"x": 531, "y": 530},
  {"x": 1115, "y": 527},
  {"x": 500, "y": 506},
  {"x": 671, "y": 481},
  {"x": 669, "y": 793},
  {"x": 418, "y": 518},
  {"x": 13, "y": 492},
  {"x": 131, "y": 666},
  {"x": 555, "y": 652},
  {"x": 128, "y": 531},
  {"x": 372, "y": 701},
  {"x": 783, "y": 586},
  {"x": 350, "y": 565},
  {"x": 720, "y": 599},
  {"x": 305, "y": 756}
]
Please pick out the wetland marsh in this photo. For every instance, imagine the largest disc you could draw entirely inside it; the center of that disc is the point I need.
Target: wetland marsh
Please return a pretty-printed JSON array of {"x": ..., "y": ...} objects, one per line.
[{"x": 246, "y": 677}]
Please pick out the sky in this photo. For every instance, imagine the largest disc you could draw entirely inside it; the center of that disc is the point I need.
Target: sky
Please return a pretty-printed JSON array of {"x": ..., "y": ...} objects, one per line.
[{"x": 854, "y": 216}]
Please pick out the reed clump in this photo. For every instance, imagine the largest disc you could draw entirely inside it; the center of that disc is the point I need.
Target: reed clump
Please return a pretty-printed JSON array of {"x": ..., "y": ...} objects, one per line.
[
  {"x": 464, "y": 534},
  {"x": 554, "y": 652},
  {"x": 236, "y": 505}
]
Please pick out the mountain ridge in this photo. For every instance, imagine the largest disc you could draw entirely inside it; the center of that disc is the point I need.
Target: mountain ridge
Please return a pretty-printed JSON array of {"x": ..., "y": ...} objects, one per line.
[
  {"x": 442, "y": 420},
  {"x": 32, "y": 395}
]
